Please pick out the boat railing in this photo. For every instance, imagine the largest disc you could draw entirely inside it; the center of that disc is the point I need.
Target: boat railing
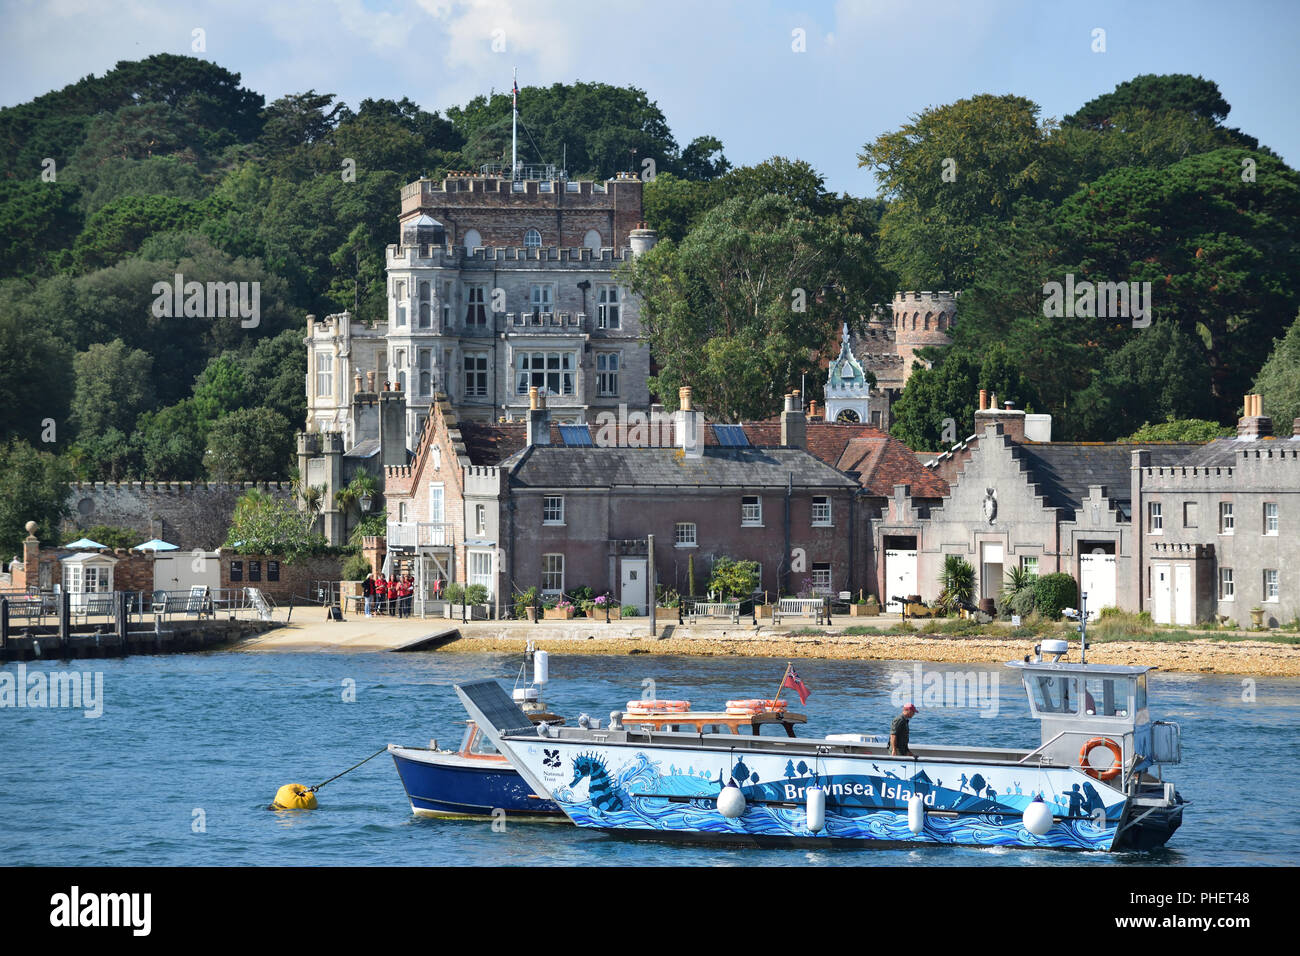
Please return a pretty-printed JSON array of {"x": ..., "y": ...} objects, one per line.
[{"x": 1127, "y": 748}]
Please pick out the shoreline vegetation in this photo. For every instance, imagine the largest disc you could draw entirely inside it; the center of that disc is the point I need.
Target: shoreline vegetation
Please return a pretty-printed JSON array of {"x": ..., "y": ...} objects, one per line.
[{"x": 1272, "y": 653}]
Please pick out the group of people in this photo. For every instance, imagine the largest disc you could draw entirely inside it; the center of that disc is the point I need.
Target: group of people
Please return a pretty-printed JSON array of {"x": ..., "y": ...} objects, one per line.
[{"x": 391, "y": 595}]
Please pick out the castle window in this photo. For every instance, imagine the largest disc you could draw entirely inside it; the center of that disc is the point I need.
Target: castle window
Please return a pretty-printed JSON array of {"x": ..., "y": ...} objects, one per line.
[
  {"x": 532, "y": 239},
  {"x": 607, "y": 308},
  {"x": 1227, "y": 521},
  {"x": 607, "y": 373},
  {"x": 324, "y": 374},
  {"x": 1272, "y": 591},
  {"x": 472, "y": 240},
  {"x": 476, "y": 311},
  {"x": 1155, "y": 518},
  {"x": 550, "y": 370},
  {"x": 426, "y": 316},
  {"x": 399, "y": 295},
  {"x": 1227, "y": 589},
  {"x": 1270, "y": 517},
  {"x": 592, "y": 240},
  {"x": 426, "y": 372},
  {"x": 543, "y": 299},
  {"x": 476, "y": 375},
  {"x": 446, "y": 306}
]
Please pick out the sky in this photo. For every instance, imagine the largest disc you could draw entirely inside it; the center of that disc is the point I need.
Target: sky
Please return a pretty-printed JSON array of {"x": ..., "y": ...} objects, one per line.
[{"x": 806, "y": 80}]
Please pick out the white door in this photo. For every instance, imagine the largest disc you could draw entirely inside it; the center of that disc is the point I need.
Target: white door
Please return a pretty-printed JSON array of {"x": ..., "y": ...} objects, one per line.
[
  {"x": 991, "y": 571},
  {"x": 633, "y": 591},
  {"x": 1183, "y": 594},
  {"x": 180, "y": 572},
  {"x": 1097, "y": 580},
  {"x": 900, "y": 578},
  {"x": 1162, "y": 594}
]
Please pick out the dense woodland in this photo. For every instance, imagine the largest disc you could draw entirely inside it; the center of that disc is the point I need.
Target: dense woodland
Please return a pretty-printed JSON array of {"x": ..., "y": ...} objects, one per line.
[{"x": 169, "y": 165}]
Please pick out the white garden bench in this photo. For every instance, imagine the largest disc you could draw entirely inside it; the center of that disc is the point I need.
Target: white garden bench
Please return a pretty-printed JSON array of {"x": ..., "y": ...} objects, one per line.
[
  {"x": 800, "y": 607},
  {"x": 723, "y": 609}
]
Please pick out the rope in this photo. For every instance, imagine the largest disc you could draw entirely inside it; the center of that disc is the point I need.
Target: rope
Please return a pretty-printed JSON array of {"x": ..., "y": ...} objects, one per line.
[{"x": 383, "y": 749}]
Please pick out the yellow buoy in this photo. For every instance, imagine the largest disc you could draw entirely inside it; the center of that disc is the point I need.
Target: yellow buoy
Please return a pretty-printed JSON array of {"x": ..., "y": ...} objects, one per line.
[{"x": 294, "y": 796}]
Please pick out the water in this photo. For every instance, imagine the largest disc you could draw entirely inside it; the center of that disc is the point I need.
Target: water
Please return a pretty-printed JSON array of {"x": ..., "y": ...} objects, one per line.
[{"x": 208, "y": 738}]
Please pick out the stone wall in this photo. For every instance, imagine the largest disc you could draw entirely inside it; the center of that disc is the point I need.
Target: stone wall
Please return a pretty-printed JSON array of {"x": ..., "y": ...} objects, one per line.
[
  {"x": 274, "y": 577},
  {"x": 187, "y": 514}
]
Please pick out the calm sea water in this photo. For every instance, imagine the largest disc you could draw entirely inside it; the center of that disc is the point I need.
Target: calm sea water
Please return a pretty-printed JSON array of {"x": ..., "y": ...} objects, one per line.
[{"x": 210, "y": 737}]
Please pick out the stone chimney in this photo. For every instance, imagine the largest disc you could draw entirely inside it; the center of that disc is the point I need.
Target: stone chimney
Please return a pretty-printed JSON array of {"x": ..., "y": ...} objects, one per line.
[
  {"x": 642, "y": 239},
  {"x": 539, "y": 419},
  {"x": 1254, "y": 423},
  {"x": 688, "y": 430},
  {"x": 1010, "y": 418},
  {"x": 392, "y": 428},
  {"x": 794, "y": 427}
]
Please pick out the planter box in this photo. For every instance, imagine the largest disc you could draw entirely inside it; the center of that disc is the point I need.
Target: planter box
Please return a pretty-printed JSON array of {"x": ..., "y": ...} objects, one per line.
[
  {"x": 864, "y": 610},
  {"x": 764, "y": 611},
  {"x": 555, "y": 614}
]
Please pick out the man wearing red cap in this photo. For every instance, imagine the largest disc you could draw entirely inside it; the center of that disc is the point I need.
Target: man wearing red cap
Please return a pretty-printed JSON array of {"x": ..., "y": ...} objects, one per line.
[{"x": 899, "y": 732}]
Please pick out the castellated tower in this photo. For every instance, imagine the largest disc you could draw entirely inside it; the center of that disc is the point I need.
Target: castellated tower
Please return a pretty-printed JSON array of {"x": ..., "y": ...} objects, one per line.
[{"x": 921, "y": 319}]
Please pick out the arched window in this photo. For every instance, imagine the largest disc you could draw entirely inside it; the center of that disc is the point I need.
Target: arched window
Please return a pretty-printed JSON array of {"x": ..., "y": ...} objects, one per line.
[
  {"x": 472, "y": 240},
  {"x": 532, "y": 239},
  {"x": 425, "y": 314},
  {"x": 592, "y": 240}
]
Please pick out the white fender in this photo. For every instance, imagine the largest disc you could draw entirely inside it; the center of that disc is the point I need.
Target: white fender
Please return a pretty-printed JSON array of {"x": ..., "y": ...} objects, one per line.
[
  {"x": 915, "y": 814},
  {"x": 731, "y": 802},
  {"x": 816, "y": 809},
  {"x": 1037, "y": 817}
]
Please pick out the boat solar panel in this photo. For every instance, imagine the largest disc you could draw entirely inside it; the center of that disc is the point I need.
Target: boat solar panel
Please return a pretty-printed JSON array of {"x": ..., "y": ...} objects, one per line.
[
  {"x": 731, "y": 436},
  {"x": 576, "y": 434},
  {"x": 495, "y": 705}
]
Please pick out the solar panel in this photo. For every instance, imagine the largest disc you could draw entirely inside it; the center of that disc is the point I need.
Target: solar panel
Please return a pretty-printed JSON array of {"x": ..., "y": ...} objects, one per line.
[
  {"x": 731, "y": 436},
  {"x": 493, "y": 704},
  {"x": 576, "y": 434}
]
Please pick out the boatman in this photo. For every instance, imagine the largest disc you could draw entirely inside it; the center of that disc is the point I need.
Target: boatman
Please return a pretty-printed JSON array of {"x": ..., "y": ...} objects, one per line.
[{"x": 899, "y": 732}]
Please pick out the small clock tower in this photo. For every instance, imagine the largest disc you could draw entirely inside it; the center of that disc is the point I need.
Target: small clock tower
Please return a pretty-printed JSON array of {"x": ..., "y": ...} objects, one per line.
[{"x": 848, "y": 391}]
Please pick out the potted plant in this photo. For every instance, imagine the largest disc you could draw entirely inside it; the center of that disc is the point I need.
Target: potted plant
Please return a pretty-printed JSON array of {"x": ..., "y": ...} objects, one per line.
[
  {"x": 667, "y": 601},
  {"x": 526, "y": 604},
  {"x": 476, "y": 596},
  {"x": 561, "y": 611},
  {"x": 454, "y": 595},
  {"x": 864, "y": 607}
]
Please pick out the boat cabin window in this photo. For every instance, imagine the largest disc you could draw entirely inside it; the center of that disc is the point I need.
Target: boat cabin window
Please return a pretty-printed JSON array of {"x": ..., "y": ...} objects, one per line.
[
  {"x": 1055, "y": 693},
  {"x": 1106, "y": 696},
  {"x": 483, "y": 746},
  {"x": 1140, "y": 701}
]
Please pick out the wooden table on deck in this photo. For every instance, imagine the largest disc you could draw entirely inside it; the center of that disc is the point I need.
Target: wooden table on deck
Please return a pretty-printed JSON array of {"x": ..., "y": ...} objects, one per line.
[{"x": 666, "y": 720}]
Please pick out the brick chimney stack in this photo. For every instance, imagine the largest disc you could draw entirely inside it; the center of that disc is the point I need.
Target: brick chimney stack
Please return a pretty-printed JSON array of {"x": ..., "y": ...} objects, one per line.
[
  {"x": 539, "y": 419},
  {"x": 794, "y": 427},
  {"x": 1011, "y": 419},
  {"x": 1254, "y": 423}
]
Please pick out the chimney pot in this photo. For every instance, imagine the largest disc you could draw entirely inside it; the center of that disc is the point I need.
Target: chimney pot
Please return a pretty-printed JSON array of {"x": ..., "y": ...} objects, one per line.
[
  {"x": 684, "y": 397},
  {"x": 984, "y": 399}
]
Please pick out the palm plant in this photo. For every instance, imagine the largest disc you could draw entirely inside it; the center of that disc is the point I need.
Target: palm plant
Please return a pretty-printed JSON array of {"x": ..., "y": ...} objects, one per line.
[
  {"x": 1018, "y": 591},
  {"x": 957, "y": 582}
]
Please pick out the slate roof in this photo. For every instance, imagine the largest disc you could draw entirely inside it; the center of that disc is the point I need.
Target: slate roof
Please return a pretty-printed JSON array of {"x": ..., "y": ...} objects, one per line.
[
  {"x": 551, "y": 466},
  {"x": 1064, "y": 470},
  {"x": 364, "y": 449},
  {"x": 1227, "y": 451}
]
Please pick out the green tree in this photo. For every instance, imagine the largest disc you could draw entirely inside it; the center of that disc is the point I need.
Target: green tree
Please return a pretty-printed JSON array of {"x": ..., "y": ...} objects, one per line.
[
  {"x": 114, "y": 384},
  {"x": 35, "y": 372},
  {"x": 36, "y": 219},
  {"x": 252, "y": 444},
  {"x": 33, "y": 487},
  {"x": 171, "y": 442},
  {"x": 740, "y": 308},
  {"x": 1278, "y": 382},
  {"x": 263, "y": 524},
  {"x": 732, "y": 579},
  {"x": 1181, "y": 430}
]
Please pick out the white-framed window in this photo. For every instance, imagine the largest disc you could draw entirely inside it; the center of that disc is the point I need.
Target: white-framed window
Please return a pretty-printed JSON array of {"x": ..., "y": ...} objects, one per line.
[
  {"x": 607, "y": 307},
  {"x": 446, "y": 304},
  {"x": 426, "y": 306},
  {"x": 751, "y": 511},
  {"x": 1227, "y": 521},
  {"x": 1227, "y": 588},
  {"x": 476, "y": 306},
  {"x": 1270, "y": 517},
  {"x": 542, "y": 298},
  {"x": 821, "y": 578},
  {"x": 821, "y": 511},
  {"x": 1191, "y": 514},
  {"x": 1155, "y": 518},
  {"x": 476, "y": 375},
  {"x": 607, "y": 373},
  {"x": 399, "y": 296},
  {"x": 550, "y": 370},
  {"x": 480, "y": 570},
  {"x": 553, "y": 573},
  {"x": 324, "y": 374},
  {"x": 553, "y": 509},
  {"x": 436, "y": 497},
  {"x": 1029, "y": 564},
  {"x": 1272, "y": 584},
  {"x": 532, "y": 239},
  {"x": 684, "y": 534},
  {"x": 401, "y": 511},
  {"x": 480, "y": 521}
]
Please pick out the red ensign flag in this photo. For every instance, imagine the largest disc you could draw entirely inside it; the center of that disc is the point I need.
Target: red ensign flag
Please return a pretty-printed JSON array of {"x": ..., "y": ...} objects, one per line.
[{"x": 793, "y": 682}]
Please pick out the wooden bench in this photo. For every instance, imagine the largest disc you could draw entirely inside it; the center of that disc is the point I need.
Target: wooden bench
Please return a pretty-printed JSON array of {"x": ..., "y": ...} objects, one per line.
[
  {"x": 729, "y": 610},
  {"x": 800, "y": 607},
  {"x": 32, "y": 608}
]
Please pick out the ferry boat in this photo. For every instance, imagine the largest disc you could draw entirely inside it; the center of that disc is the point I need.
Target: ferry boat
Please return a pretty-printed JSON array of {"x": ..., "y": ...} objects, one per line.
[{"x": 1095, "y": 782}]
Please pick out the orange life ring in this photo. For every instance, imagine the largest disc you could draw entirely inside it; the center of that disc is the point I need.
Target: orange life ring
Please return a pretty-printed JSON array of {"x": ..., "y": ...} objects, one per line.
[
  {"x": 669, "y": 706},
  {"x": 757, "y": 706},
  {"x": 1113, "y": 770}
]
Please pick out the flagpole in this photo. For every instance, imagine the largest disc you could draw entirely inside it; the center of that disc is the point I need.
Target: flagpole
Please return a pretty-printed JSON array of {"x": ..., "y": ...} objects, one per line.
[
  {"x": 781, "y": 685},
  {"x": 514, "y": 127}
]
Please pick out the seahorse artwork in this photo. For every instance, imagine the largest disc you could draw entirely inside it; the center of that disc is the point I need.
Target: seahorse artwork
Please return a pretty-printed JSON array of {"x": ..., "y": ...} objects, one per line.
[{"x": 600, "y": 791}]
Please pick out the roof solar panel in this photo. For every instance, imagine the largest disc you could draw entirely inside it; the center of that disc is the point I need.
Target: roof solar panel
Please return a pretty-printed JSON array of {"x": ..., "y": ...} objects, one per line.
[
  {"x": 731, "y": 436},
  {"x": 576, "y": 434},
  {"x": 493, "y": 704}
]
